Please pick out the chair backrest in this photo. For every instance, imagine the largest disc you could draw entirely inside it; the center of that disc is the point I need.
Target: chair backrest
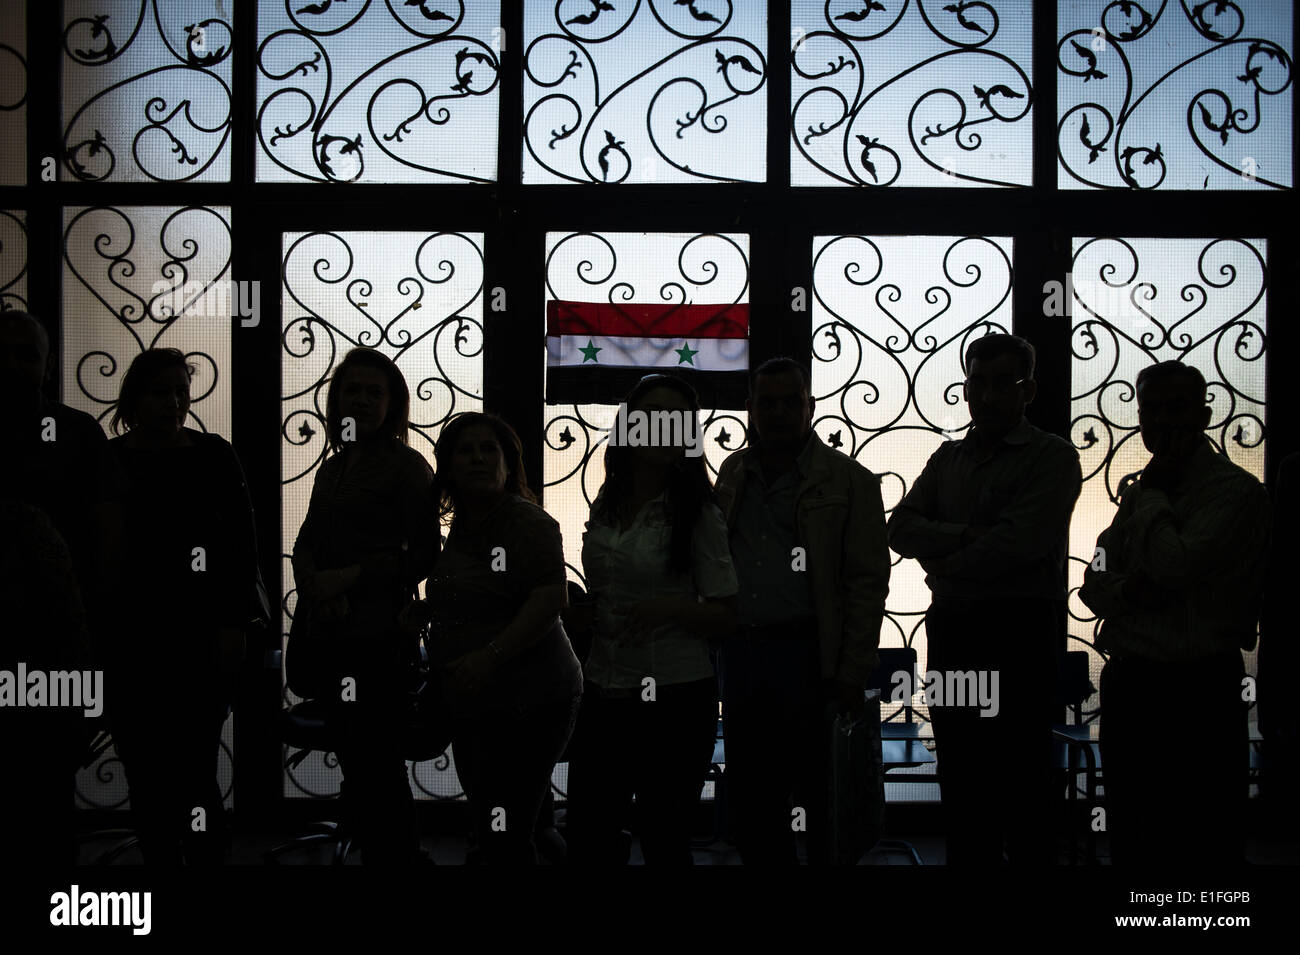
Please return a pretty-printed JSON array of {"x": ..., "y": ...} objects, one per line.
[{"x": 895, "y": 678}]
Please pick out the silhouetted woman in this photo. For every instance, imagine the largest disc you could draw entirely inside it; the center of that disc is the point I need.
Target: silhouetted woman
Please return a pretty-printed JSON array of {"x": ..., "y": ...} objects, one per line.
[
  {"x": 511, "y": 679},
  {"x": 368, "y": 539},
  {"x": 658, "y": 564},
  {"x": 187, "y": 591}
]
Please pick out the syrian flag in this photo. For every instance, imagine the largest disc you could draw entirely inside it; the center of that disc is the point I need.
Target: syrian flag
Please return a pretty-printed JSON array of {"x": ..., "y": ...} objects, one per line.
[{"x": 597, "y": 351}]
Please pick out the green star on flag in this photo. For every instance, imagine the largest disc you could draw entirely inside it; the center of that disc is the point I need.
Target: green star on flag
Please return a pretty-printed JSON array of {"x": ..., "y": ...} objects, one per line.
[
  {"x": 589, "y": 353},
  {"x": 686, "y": 354}
]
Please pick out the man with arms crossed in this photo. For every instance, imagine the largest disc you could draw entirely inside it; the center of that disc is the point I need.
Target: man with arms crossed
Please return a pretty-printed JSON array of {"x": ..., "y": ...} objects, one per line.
[{"x": 988, "y": 520}]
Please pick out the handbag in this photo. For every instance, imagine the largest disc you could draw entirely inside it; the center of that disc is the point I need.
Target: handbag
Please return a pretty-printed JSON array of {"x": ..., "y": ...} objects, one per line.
[
  {"x": 857, "y": 790},
  {"x": 310, "y": 656}
]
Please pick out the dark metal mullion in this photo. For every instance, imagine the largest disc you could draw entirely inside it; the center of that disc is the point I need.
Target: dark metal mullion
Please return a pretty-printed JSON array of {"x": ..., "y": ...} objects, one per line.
[{"x": 255, "y": 411}]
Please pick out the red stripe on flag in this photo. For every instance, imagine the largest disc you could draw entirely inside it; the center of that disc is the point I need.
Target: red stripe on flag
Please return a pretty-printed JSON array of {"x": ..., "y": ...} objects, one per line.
[{"x": 632, "y": 319}]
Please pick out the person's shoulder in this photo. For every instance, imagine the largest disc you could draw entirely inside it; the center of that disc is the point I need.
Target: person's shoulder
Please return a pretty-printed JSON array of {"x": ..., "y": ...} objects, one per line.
[
  {"x": 412, "y": 463},
  {"x": 836, "y": 461},
  {"x": 210, "y": 441},
  {"x": 79, "y": 423},
  {"x": 524, "y": 512},
  {"x": 1051, "y": 441},
  {"x": 1232, "y": 477}
]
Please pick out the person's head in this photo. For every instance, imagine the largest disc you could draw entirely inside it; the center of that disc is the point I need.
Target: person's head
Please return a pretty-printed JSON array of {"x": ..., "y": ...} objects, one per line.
[
  {"x": 370, "y": 390},
  {"x": 1171, "y": 403},
  {"x": 687, "y": 484},
  {"x": 479, "y": 457},
  {"x": 24, "y": 352},
  {"x": 999, "y": 382},
  {"x": 780, "y": 404},
  {"x": 155, "y": 394}
]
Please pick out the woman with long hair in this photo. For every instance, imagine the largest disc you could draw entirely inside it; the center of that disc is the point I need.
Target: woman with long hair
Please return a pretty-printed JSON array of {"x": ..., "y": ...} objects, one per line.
[
  {"x": 511, "y": 680},
  {"x": 369, "y": 538},
  {"x": 658, "y": 564},
  {"x": 188, "y": 588}
]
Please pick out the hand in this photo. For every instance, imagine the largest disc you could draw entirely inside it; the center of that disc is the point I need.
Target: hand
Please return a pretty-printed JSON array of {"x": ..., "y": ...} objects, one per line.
[
  {"x": 1170, "y": 459},
  {"x": 845, "y": 697},
  {"x": 1144, "y": 594},
  {"x": 231, "y": 648},
  {"x": 579, "y": 617},
  {"x": 414, "y": 617},
  {"x": 333, "y": 609},
  {"x": 645, "y": 616},
  {"x": 469, "y": 672}
]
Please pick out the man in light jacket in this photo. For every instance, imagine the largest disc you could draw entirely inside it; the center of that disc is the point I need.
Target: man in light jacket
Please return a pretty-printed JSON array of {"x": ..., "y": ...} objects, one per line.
[{"x": 807, "y": 535}]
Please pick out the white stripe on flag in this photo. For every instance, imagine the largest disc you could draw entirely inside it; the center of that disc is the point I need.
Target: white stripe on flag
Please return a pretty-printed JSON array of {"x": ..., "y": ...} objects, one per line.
[{"x": 700, "y": 354}]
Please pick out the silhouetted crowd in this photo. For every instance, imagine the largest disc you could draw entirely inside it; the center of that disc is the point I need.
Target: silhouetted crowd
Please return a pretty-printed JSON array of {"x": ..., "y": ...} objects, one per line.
[{"x": 137, "y": 557}]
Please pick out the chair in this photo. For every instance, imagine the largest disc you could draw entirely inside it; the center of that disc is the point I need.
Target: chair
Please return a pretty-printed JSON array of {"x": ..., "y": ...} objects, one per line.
[
  {"x": 902, "y": 741},
  {"x": 1076, "y": 749},
  {"x": 304, "y": 727}
]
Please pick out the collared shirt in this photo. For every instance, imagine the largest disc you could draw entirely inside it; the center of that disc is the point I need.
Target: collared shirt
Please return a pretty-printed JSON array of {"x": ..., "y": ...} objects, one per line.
[
  {"x": 1023, "y": 490},
  {"x": 1205, "y": 540},
  {"x": 624, "y": 568},
  {"x": 763, "y": 539}
]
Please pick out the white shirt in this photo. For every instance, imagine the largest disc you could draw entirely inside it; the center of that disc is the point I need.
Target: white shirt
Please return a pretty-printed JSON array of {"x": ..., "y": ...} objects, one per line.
[{"x": 624, "y": 568}]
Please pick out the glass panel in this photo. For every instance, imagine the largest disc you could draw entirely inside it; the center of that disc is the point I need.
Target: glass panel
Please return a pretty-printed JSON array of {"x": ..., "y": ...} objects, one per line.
[
  {"x": 137, "y": 278},
  {"x": 370, "y": 92},
  {"x": 1179, "y": 96},
  {"x": 13, "y": 260},
  {"x": 1137, "y": 302},
  {"x": 13, "y": 96},
  {"x": 652, "y": 279},
  {"x": 418, "y": 298},
  {"x": 644, "y": 91},
  {"x": 887, "y": 93},
  {"x": 146, "y": 91}
]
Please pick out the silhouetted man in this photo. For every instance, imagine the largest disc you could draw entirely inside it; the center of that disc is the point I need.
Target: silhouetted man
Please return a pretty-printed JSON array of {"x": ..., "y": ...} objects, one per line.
[
  {"x": 58, "y": 457},
  {"x": 1179, "y": 599},
  {"x": 807, "y": 534},
  {"x": 988, "y": 520}
]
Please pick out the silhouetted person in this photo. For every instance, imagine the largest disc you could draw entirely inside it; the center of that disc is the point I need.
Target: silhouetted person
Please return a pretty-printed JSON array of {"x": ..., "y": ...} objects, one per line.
[
  {"x": 188, "y": 592},
  {"x": 1279, "y": 659},
  {"x": 656, "y": 561},
  {"x": 1179, "y": 599},
  {"x": 988, "y": 520},
  {"x": 56, "y": 456},
  {"x": 510, "y": 677},
  {"x": 809, "y": 626},
  {"x": 369, "y": 538},
  {"x": 40, "y": 747}
]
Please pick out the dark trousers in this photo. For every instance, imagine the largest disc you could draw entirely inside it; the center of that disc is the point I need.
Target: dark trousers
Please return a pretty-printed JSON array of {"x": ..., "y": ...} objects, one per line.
[
  {"x": 376, "y": 793},
  {"x": 1174, "y": 760},
  {"x": 776, "y": 731},
  {"x": 169, "y": 746},
  {"x": 504, "y": 759},
  {"x": 995, "y": 771},
  {"x": 658, "y": 751}
]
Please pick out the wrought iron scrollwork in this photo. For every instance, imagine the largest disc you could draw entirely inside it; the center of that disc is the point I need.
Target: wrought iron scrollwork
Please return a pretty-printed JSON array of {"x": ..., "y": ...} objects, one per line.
[
  {"x": 160, "y": 98},
  {"x": 659, "y": 116},
  {"x": 192, "y": 256},
  {"x": 845, "y": 117},
  {"x": 13, "y": 260},
  {"x": 888, "y": 347},
  {"x": 322, "y": 118},
  {"x": 1106, "y": 141}
]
